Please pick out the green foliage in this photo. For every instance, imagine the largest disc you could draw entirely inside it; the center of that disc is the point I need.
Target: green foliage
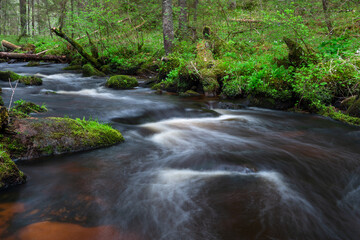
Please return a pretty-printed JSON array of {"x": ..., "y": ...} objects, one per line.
[{"x": 22, "y": 109}]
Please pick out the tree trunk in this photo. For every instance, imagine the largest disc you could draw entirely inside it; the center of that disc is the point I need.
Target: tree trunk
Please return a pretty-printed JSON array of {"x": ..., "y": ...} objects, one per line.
[
  {"x": 196, "y": 3},
  {"x": 78, "y": 47},
  {"x": 182, "y": 19},
  {"x": 63, "y": 14},
  {"x": 327, "y": 16},
  {"x": 232, "y": 4},
  {"x": 33, "y": 16},
  {"x": 9, "y": 45},
  {"x": 23, "y": 17},
  {"x": 168, "y": 25},
  {"x": 32, "y": 57}
]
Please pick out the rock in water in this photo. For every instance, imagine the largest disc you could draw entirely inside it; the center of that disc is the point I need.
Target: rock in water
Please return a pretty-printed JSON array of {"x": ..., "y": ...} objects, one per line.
[
  {"x": 121, "y": 82},
  {"x": 10, "y": 175}
]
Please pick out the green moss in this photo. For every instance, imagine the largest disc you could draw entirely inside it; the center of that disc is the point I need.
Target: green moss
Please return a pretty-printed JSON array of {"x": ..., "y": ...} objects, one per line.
[
  {"x": 122, "y": 82},
  {"x": 1, "y": 100},
  {"x": 32, "y": 64},
  {"x": 10, "y": 175},
  {"x": 337, "y": 115},
  {"x": 27, "y": 80},
  {"x": 23, "y": 108},
  {"x": 89, "y": 70},
  {"x": 190, "y": 93},
  {"x": 30, "y": 80},
  {"x": 6, "y": 75},
  {"x": 33, "y": 137}
]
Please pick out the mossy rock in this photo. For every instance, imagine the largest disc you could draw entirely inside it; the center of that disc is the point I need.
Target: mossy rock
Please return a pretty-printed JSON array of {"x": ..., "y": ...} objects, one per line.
[
  {"x": 27, "y": 80},
  {"x": 121, "y": 82},
  {"x": 89, "y": 70},
  {"x": 4, "y": 118},
  {"x": 73, "y": 67},
  {"x": 354, "y": 108},
  {"x": 106, "y": 69},
  {"x": 6, "y": 75},
  {"x": 190, "y": 93},
  {"x": 30, "y": 80},
  {"x": 32, "y": 64},
  {"x": 50, "y": 136},
  {"x": 1, "y": 100},
  {"x": 10, "y": 175},
  {"x": 27, "y": 107}
]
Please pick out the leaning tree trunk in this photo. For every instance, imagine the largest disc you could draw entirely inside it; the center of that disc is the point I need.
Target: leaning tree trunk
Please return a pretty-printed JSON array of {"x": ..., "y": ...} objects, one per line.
[
  {"x": 327, "y": 16},
  {"x": 168, "y": 25},
  {"x": 78, "y": 47}
]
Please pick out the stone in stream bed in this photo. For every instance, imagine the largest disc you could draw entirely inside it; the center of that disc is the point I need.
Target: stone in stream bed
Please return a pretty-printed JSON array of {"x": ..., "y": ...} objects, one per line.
[
  {"x": 10, "y": 175},
  {"x": 28, "y": 138},
  {"x": 89, "y": 70},
  {"x": 36, "y": 137},
  {"x": 27, "y": 80},
  {"x": 121, "y": 82}
]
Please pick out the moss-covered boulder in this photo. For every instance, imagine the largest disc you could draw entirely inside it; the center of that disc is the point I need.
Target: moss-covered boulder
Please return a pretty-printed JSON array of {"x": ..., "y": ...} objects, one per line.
[
  {"x": 354, "y": 107},
  {"x": 37, "y": 137},
  {"x": 190, "y": 93},
  {"x": 6, "y": 75},
  {"x": 122, "y": 82},
  {"x": 32, "y": 64},
  {"x": 89, "y": 70},
  {"x": 4, "y": 118},
  {"x": 10, "y": 175},
  {"x": 27, "y": 80},
  {"x": 30, "y": 80}
]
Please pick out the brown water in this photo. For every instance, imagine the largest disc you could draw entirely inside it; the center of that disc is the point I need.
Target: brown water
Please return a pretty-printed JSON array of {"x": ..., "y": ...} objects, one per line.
[{"x": 186, "y": 171}]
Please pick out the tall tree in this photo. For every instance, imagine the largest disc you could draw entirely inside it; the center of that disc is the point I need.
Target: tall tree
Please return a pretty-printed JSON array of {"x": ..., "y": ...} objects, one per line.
[
  {"x": 23, "y": 17},
  {"x": 182, "y": 19},
  {"x": 168, "y": 25}
]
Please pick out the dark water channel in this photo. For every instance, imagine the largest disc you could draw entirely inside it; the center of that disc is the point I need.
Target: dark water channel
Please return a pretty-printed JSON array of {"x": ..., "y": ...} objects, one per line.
[{"x": 186, "y": 171}]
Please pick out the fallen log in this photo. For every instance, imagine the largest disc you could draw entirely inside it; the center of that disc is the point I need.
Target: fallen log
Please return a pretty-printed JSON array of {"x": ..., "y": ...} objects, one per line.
[
  {"x": 78, "y": 47},
  {"x": 32, "y": 57},
  {"x": 9, "y": 45},
  {"x": 244, "y": 20}
]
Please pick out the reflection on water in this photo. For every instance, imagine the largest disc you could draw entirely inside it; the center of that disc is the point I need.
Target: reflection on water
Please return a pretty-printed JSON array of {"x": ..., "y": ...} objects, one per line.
[{"x": 186, "y": 171}]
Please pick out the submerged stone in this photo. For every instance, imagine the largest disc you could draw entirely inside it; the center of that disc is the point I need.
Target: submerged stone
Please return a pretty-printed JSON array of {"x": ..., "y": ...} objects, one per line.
[
  {"x": 121, "y": 82},
  {"x": 190, "y": 93},
  {"x": 32, "y": 64}
]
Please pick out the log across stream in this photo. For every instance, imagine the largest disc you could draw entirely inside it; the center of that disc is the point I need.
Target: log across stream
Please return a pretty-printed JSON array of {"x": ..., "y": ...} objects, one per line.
[{"x": 187, "y": 170}]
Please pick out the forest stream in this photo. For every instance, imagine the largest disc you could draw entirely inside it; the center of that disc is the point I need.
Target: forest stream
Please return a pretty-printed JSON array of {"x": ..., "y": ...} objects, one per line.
[{"x": 187, "y": 170}]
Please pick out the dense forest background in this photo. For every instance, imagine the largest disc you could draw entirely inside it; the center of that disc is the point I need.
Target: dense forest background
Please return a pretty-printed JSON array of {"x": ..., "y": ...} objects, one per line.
[{"x": 302, "y": 53}]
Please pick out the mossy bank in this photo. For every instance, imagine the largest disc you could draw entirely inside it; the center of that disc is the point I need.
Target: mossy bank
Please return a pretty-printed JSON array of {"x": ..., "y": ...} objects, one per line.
[{"x": 26, "y": 137}]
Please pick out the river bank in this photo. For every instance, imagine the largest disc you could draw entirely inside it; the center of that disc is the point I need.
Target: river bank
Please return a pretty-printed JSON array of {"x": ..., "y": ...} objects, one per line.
[{"x": 185, "y": 163}]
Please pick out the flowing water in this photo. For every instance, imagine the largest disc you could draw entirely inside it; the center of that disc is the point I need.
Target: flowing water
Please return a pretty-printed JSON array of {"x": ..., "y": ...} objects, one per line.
[{"x": 186, "y": 171}]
